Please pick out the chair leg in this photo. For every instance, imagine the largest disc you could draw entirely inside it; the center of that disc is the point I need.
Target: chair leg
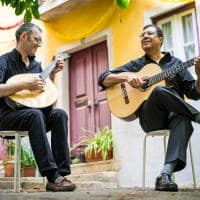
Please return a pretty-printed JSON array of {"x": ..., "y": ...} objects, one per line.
[
  {"x": 192, "y": 165},
  {"x": 144, "y": 162},
  {"x": 15, "y": 166},
  {"x": 17, "y": 163},
  {"x": 165, "y": 145}
]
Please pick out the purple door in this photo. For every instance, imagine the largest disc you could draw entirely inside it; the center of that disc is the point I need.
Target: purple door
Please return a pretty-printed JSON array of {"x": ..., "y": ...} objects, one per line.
[{"x": 88, "y": 106}]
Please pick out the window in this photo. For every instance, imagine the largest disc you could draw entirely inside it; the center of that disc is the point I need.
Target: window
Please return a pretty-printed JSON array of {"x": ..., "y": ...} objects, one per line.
[{"x": 180, "y": 35}]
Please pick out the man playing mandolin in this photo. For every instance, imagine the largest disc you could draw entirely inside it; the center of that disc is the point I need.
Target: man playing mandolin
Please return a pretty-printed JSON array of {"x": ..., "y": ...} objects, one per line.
[
  {"x": 54, "y": 162},
  {"x": 165, "y": 107}
]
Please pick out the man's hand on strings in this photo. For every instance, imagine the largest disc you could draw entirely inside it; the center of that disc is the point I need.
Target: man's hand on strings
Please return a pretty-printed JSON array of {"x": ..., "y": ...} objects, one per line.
[
  {"x": 135, "y": 81},
  {"x": 59, "y": 66}
]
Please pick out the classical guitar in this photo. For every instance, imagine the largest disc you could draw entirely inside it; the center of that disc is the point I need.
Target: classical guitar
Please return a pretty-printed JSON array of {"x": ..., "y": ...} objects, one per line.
[
  {"x": 31, "y": 99},
  {"x": 124, "y": 100}
]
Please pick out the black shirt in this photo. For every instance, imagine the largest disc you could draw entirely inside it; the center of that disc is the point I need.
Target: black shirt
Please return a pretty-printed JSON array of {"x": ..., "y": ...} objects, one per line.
[
  {"x": 11, "y": 64},
  {"x": 183, "y": 82}
]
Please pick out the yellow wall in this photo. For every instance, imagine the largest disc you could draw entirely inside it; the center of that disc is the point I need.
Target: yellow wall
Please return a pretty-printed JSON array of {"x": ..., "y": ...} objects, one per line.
[
  {"x": 126, "y": 42},
  {"x": 80, "y": 23},
  {"x": 126, "y": 25}
]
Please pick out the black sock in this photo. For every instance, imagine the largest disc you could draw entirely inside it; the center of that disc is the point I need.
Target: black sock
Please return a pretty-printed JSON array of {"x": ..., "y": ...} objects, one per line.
[{"x": 52, "y": 175}]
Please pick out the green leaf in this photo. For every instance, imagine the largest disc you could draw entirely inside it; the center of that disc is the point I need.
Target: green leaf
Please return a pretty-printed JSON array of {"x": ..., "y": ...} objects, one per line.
[
  {"x": 2, "y": 2},
  {"x": 7, "y": 2},
  {"x": 100, "y": 141},
  {"x": 14, "y": 3},
  {"x": 28, "y": 16},
  {"x": 20, "y": 8},
  {"x": 28, "y": 2},
  {"x": 35, "y": 12}
]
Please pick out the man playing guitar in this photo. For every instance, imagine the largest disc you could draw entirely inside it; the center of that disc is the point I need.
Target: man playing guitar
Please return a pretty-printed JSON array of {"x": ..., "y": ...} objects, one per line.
[
  {"x": 165, "y": 107},
  {"x": 54, "y": 162}
]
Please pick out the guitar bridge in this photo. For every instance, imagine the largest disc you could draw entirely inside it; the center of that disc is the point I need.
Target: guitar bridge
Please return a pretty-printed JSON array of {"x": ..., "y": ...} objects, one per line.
[{"x": 124, "y": 93}]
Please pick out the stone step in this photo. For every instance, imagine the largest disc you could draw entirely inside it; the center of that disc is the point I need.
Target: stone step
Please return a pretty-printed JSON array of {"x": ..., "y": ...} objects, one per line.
[
  {"x": 80, "y": 186},
  {"x": 7, "y": 185},
  {"x": 23, "y": 179},
  {"x": 28, "y": 182},
  {"x": 100, "y": 166},
  {"x": 107, "y": 176},
  {"x": 96, "y": 180},
  {"x": 95, "y": 185},
  {"x": 86, "y": 176}
]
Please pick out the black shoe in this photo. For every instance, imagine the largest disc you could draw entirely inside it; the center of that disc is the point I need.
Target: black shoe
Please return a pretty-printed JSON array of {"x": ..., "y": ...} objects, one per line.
[
  {"x": 62, "y": 184},
  {"x": 165, "y": 183}
]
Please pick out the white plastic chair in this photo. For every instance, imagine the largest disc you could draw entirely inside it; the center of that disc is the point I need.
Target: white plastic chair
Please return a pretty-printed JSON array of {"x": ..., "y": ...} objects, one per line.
[{"x": 164, "y": 134}]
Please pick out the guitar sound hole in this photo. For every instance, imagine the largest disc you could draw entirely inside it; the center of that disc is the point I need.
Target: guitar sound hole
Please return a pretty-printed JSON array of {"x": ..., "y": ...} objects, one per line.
[{"x": 146, "y": 85}]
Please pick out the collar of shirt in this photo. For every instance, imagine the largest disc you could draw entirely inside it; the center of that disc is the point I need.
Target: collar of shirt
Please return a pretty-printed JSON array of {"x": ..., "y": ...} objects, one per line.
[
  {"x": 18, "y": 56},
  {"x": 166, "y": 57}
]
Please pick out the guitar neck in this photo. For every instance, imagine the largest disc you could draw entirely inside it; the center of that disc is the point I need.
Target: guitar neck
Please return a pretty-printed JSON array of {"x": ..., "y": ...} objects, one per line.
[
  {"x": 48, "y": 70},
  {"x": 170, "y": 72}
]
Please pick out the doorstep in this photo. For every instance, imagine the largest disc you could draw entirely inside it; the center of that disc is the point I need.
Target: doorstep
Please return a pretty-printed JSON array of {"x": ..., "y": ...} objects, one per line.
[
  {"x": 94, "y": 175},
  {"x": 100, "y": 166}
]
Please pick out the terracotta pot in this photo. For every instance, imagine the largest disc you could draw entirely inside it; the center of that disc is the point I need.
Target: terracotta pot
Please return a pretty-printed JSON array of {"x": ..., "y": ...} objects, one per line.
[
  {"x": 28, "y": 172},
  {"x": 9, "y": 170},
  {"x": 97, "y": 157}
]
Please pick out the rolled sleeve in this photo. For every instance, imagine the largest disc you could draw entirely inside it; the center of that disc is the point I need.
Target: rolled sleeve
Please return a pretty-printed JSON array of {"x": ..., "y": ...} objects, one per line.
[
  {"x": 129, "y": 67},
  {"x": 102, "y": 78}
]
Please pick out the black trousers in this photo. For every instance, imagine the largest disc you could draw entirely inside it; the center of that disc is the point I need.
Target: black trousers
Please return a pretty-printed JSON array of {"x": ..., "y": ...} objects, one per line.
[
  {"x": 164, "y": 109},
  {"x": 37, "y": 123}
]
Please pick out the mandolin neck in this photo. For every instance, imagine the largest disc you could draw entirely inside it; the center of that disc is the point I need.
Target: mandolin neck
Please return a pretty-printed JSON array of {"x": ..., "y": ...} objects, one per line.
[{"x": 47, "y": 71}]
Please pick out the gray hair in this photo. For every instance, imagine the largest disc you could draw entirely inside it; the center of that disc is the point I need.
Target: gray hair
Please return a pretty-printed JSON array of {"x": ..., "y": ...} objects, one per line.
[
  {"x": 27, "y": 27},
  {"x": 158, "y": 29}
]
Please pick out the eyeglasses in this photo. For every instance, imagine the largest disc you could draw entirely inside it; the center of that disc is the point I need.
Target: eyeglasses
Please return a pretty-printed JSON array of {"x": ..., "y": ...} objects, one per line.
[
  {"x": 148, "y": 33},
  {"x": 38, "y": 40}
]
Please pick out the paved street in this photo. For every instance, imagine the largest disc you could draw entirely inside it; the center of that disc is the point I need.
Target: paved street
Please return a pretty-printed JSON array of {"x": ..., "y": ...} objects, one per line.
[{"x": 108, "y": 194}]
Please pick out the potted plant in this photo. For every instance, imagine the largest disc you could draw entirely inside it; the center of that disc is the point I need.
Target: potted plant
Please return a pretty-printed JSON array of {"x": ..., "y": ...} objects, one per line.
[
  {"x": 28, "y": 163},
  {"x": 99, "y": 146},
  {"x": 8, "y": 161}
]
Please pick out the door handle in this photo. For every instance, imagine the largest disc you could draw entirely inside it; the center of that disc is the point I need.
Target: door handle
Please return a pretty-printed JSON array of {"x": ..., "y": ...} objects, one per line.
[{"x": 89, "y": 105}]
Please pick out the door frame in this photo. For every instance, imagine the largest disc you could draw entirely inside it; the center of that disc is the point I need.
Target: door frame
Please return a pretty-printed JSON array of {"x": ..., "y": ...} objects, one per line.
[{"x": 63, "y": 78}]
